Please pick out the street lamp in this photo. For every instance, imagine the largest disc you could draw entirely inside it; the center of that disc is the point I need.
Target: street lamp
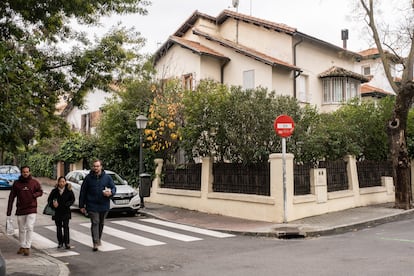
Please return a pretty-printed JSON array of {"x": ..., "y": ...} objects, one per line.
[
  {"x": 141, "y": 122},
  {"x": 141, "y": 125}
]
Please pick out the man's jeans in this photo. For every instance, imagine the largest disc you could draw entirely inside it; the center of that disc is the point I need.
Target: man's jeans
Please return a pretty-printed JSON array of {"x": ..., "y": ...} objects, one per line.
[{"x": 97, "y": 224}]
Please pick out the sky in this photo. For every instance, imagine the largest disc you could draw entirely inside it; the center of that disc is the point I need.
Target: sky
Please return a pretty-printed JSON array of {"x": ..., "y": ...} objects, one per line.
[{"x": 323, "y": 19}]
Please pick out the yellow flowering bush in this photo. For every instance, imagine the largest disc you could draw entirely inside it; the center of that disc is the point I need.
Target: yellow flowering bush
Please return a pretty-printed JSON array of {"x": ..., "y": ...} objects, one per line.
[{"x": 164, "y": 118}]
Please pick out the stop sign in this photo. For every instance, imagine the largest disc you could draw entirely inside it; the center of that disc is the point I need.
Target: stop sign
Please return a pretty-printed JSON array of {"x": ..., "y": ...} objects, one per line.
[{"x": 284, "y": 126}]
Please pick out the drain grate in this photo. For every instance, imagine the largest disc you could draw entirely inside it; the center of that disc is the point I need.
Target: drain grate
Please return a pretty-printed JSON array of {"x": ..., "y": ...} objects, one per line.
[{"x": 289, "y": 236}]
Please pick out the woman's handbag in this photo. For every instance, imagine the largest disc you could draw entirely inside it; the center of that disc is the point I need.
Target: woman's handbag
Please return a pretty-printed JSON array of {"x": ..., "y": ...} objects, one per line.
[{"x": 49, "y": 210}]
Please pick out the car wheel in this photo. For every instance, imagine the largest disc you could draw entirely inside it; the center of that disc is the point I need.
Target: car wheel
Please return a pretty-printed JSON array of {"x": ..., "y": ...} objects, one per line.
[{"x": 133, "y": 213}]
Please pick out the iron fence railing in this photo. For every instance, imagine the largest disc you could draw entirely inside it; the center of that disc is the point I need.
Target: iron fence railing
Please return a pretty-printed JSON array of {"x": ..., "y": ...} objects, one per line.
[
  {"x": 243, "y": 179},
  {"x": 370, "y": 172},
  {"x": 301, "y": 179},
  {"x": 255, "y": 178},
  {"x": 185, "y": 177},
  {"x": 336, "y": 173}
]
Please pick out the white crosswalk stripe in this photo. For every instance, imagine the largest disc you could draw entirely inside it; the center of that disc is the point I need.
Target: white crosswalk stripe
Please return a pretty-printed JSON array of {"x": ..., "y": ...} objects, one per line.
[
  {"x": 87, "y": 240},
  {"x": 41, "y": 242},
  {"x": 206, "y": 232},
  {"x": 127, "y": 236},
  {"x": 157, "y": 231},
  {"x": 49, "y": 245}
]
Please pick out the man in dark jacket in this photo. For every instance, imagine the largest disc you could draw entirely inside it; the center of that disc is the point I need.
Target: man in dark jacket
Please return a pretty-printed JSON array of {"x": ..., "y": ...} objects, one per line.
[
  {"x": 94, "y": 198},
  {"x": 27, "y": 190}
]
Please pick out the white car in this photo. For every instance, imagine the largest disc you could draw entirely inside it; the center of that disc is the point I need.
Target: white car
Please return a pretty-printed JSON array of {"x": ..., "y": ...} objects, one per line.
[{"x": 126, "y": 198}]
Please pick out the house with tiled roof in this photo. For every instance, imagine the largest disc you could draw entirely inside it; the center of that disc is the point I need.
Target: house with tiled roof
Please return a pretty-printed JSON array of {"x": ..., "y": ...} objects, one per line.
[
  {"x": 237, "y": 49},
  {"x": 370, "y": 91},
  {"x": 372, "y": 67},
  {"x": 85, "y": 119}
]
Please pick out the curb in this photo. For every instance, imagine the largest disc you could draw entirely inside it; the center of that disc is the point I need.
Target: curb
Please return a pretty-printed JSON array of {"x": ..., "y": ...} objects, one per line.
[
  {"x": 61, "y": 267},
  {"x": 294, "y": 231},
  {"x": 340, "y": 229}
]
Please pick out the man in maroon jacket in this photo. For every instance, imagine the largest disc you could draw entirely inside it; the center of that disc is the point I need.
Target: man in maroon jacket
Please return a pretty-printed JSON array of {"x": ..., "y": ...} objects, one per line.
[{"x": 27, "y": 190}]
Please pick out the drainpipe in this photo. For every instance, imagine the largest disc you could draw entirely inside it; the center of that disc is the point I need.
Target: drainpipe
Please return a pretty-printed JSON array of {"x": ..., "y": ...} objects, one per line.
[{"x": 296, "y": 73}]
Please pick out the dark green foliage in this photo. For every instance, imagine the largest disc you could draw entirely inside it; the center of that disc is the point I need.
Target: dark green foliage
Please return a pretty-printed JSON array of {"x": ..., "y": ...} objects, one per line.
[
  {"x": 40, "y": 164},
  {"x": 410, "y": 133},
  {"x": 118, "y": 143},
  {"x": 237, "y": 125},
  {"x": 77, "y": 147}
]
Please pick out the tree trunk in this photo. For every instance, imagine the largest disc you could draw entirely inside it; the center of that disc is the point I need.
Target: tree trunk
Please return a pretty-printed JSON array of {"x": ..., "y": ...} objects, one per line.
[
  {"x": 401, "y": 175},
  {"x": 399, "y": 153}
]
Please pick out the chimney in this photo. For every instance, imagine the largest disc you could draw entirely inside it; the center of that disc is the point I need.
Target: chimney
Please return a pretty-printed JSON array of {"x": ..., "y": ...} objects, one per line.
[{"x": 344, "y": 35}]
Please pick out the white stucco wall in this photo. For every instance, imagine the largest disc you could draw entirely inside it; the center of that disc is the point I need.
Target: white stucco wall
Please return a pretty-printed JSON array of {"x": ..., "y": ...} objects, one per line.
[
  {"x": 272, "y": 43},
  {"x": 377, "y": 71},
  {"x": 178, "y": 61},
  {"x": 210, "y": 69},
  {"x": 282, "y": 82},
  {"x": 314, "y": 60},
  {"x": 94, "y": 100}
]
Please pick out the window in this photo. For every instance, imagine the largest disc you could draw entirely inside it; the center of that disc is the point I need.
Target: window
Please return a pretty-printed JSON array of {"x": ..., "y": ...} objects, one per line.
[
  {"x": 302, "y": 89},
  {"x": 89, "y": 121},
  {"x": 188, "y": 81},
  {"x": 366, "y": 70},
  {"x": 339, "y": 90},
  {"x": 248, "y": 79}
]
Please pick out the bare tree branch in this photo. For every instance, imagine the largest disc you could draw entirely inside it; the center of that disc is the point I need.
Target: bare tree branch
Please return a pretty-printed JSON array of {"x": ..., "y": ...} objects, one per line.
[{"x": 369, "y": 9}]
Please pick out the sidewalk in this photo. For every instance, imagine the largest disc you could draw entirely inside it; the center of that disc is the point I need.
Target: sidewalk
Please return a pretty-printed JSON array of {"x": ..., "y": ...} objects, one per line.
[
  {"x": 39, "y": 263},
  {"x": 326, "y": 224}
]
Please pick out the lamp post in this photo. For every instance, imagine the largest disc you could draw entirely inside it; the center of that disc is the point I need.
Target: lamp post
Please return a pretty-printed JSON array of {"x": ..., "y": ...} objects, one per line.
[{"x": 141, "y": 122}]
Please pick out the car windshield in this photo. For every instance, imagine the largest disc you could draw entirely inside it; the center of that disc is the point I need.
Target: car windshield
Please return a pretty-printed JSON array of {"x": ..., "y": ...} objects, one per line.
[
  {"x": 117, "y": 179},
  {"x": 9, "y": 169}
]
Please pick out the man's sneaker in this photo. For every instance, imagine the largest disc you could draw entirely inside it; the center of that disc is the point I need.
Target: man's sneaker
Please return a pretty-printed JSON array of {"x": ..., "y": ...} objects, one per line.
[
  {"x": 26, "y": 251},
  {"x": 20, "y": 251},
  {"x": 68, "y": 246},
  {"x": 95, "y": 247},
  {"x": 60, "y": 245}
]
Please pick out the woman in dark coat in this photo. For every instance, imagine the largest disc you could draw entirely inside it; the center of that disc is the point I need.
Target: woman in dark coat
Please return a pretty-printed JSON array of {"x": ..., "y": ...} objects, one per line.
[{"x": 61, "y": 198}]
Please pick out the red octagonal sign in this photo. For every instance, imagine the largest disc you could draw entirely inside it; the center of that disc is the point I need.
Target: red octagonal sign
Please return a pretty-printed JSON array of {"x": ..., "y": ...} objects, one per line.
[{"x": 284, "y": 126}]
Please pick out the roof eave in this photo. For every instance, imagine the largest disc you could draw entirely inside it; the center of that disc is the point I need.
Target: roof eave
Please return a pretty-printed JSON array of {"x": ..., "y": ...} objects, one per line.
[{"x": 329, "y": 45}]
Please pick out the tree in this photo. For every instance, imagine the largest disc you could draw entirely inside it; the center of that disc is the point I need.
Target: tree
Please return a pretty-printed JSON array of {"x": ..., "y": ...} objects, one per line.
[
  {"x": 236, "y": 125},
  {"x": 364, "y": 124},
  {"x": 35, "y": 72},
  {"x": 396, "y": 45},
  {"x": 204, "y": 112},
  {"x": 164, "y": 120},
  {"x": 118, "y": 142}
]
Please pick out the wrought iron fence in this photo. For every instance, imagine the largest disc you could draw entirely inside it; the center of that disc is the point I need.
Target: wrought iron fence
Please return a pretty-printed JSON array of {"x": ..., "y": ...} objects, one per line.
[
  {"x": 370, "y": 172},
  {"x": 301, "y": 179},
  {"x": 255, "y": 178},
  {"x": 336, "y": 173},
  {"x": 243, "y": 179},
  {"x": 185, "y": 177}
]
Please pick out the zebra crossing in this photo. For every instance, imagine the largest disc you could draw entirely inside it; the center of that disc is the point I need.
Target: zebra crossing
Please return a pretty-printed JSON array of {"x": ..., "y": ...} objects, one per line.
[{"x": 127, "y": 231}]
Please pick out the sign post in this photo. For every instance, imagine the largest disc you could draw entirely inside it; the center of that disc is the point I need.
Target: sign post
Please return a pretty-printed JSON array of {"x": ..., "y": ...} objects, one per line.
[{"x": 284, "y": 127}]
